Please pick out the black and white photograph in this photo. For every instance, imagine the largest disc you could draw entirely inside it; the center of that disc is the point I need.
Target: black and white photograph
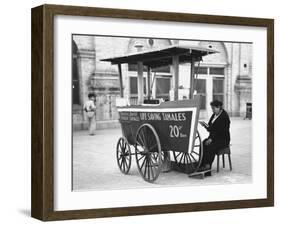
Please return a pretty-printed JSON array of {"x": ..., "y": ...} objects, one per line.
[{"x": 159, "y": 112}]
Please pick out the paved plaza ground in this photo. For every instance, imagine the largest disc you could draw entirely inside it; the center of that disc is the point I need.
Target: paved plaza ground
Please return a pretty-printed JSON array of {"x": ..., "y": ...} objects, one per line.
[{"x": 95, "y": 166}]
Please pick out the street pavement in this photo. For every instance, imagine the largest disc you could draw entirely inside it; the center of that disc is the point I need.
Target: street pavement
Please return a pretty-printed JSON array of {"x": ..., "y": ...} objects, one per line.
[{"x": 95, "y": 166}]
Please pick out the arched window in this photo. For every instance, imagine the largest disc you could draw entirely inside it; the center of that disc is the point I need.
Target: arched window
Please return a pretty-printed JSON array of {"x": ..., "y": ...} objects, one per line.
[{"x": 75, "y": 75}]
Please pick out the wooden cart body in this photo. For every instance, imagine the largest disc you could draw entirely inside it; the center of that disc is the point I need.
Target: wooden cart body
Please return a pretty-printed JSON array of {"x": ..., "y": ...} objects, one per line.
[{"x": 175, "y": 123}]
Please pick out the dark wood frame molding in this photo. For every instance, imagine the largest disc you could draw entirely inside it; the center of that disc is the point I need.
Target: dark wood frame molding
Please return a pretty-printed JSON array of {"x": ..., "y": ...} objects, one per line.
[{"x": 42, "y": 169}]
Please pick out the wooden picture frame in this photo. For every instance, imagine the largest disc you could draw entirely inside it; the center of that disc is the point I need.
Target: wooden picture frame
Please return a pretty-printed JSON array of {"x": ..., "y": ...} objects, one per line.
[{"x": 42, "y": 203}]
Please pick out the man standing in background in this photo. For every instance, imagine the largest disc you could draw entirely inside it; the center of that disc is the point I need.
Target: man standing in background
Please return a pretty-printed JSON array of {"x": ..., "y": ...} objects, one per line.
[{"x": 90, "y": 109}]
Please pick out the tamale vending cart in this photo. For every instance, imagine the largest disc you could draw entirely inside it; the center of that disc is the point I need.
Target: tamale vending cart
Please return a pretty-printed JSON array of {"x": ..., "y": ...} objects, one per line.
[{"x": 151, "y": 130}]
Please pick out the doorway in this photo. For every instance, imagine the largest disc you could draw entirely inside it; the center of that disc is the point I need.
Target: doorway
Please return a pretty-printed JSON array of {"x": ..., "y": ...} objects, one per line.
[{"x": 210, "y": 84}]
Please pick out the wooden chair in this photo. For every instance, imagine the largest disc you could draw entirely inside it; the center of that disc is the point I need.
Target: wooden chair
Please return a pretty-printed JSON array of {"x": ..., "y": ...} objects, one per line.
[{"x": 224, "y": 151}]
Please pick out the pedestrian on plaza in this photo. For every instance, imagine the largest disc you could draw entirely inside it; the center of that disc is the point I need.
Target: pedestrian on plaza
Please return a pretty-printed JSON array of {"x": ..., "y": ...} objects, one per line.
[
  {"x": 90, "y": 110},
  {"x": 219, "y": 135}
]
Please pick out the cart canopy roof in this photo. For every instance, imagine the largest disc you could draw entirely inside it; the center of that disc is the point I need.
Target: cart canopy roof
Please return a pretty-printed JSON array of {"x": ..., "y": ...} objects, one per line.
[{"x": 163, "y": 56}]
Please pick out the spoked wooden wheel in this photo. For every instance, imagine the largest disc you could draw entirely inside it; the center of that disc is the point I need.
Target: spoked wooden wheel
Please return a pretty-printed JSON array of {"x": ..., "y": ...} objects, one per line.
[
  {"x": 148, "y": 153},
  {"x": 190, "y": 161},
  {"x": 123, "y": 155}
]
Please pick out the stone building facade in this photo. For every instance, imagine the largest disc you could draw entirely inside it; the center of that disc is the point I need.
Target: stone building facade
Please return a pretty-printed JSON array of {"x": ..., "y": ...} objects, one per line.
[{"x": 226, "y": 76}]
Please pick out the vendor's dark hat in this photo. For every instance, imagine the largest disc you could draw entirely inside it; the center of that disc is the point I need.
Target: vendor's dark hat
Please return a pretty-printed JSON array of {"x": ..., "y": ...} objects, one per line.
[{"x": 216, "y": 103}]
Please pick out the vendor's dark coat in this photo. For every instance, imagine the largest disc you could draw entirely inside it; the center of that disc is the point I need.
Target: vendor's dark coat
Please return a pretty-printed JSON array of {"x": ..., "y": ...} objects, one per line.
[{"x": 219, "y": 130}]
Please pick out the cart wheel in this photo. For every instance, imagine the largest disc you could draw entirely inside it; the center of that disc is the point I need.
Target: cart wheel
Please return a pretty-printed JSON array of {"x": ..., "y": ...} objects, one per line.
[
  {"x": 148, "y": 153},
  {"x": 190, "y": 161},
  {"x": 123, "y": 155}
]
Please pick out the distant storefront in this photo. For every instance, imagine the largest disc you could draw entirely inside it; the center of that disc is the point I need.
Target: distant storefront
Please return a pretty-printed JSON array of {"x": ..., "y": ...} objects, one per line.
[{"x": 226, "y": 76}]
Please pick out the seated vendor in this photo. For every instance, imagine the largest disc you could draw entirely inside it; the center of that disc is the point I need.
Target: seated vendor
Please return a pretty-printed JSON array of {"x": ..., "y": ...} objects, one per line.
[{"x": 219, "y": 136}]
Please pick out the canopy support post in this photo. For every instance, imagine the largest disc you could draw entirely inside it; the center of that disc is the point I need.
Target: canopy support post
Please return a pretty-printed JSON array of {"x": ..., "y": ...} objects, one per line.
[
  {"x": 191, "y": 90},
  {"x": 140, "y": 82},
  {"x": 120, "y": 80},
  {"x": 176, "y": 76},
  {"x": 148, "y": 83}
]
